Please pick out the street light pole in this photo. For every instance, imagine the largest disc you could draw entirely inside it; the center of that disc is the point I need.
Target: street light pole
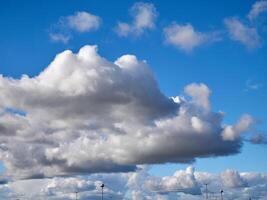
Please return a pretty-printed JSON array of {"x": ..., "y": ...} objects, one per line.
[
  {"x": 102, "y": 186},
  {"x": 206, "y": 191}
]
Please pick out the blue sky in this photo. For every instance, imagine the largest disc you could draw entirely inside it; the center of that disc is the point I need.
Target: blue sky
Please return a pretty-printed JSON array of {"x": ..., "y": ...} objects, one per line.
[{"x": 227, "y": 67}]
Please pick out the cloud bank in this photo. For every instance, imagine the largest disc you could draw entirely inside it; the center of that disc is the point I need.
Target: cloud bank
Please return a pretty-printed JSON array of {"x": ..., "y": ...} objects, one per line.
[{"x": 185, "y": 184}]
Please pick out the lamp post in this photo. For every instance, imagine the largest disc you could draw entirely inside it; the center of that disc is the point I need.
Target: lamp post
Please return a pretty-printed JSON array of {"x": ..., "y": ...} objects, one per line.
[
  {"x": 76, "y": 195},
  {"x": 221, "y": 194},
  {"x": 206, "y": 191},
  {"x": 102, "y": 187}
]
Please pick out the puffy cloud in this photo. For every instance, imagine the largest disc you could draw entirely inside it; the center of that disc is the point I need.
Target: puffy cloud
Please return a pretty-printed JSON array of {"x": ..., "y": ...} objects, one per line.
[
  {"x": 84, "y": 114},
  {"x": 232, "y": 179},
  {"x": 257, "y": 8},
  {"x": 235, "y": 185},
  {"x": 144, "y": 16},
  {"x": 200, "y": 94},
  {"x": 186, "y": 38},
  {"x": 242, "y": 33},
  {"x": 80, "y": 21},
  {"x": 65, "y": 188},
  {"x": 182, "y": 181}
]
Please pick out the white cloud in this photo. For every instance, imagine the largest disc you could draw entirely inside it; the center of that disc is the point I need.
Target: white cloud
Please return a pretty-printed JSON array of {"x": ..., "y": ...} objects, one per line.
[
  {"x": 243, "y": 125},
  {"x": 252, "y": 85},
  {"x": 200, "y": 94},
  {"x": 57, "y": 37},
  {"x": 242, "y": 33},
  {"x": 80, "y": 21},
  {"x": 185, "y": 184},
  {"x": 186, "y": 38},
  {"x": 235, "y": 185},
  {"x": 83, "y": 21},
  {"x": 123, "y": 29},
  {"x": 66, "y": 188},
  {"x": 84, "y": 114},
  {"x": 232, "y": 179},
  {"x": 144, "y": 16},
  {"x": 257, "y": 8},
  {"x": 182, "y": 181}
]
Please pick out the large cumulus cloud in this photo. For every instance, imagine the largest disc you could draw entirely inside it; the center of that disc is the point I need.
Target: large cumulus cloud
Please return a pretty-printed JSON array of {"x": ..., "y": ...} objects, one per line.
[{"x": 85, "y": 114}]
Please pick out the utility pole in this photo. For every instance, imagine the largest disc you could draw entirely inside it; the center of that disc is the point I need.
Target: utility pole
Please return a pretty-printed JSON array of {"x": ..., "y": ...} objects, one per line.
[{"x": 102, "y": 187}]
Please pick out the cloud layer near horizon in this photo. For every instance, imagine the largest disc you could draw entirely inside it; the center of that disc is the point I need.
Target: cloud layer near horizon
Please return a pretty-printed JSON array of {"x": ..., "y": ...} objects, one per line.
[
  {"x": 185, "y": 184},
  {"x": 84, "y": 114}
]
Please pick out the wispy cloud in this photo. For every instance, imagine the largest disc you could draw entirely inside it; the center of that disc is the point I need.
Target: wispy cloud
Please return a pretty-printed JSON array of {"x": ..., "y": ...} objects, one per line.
[
  {"x": 144, "y": 16},
  {"x": 252, "y": 85},
  {"x": 243, "y": 33},
  {"x": 259, "y": 139},
  {"x": 58, "y": 37},
  {"x": 246, "y": 30},
  {"x": 258, "y": 8}
]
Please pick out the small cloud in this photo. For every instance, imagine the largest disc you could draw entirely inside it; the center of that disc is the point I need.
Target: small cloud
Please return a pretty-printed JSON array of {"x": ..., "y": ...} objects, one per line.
[
  {"x": 258, "y": 8},
  {"x": 144, "y": 16},
  {"x": 80, "y": 22},
  {"x": 186, "y": 38},
  {"x": 83, "y": 22},
  {"x": 58, "y": 37},
  {"x": 242, "y": 33},
  {"x": 250, "y": 85}
]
